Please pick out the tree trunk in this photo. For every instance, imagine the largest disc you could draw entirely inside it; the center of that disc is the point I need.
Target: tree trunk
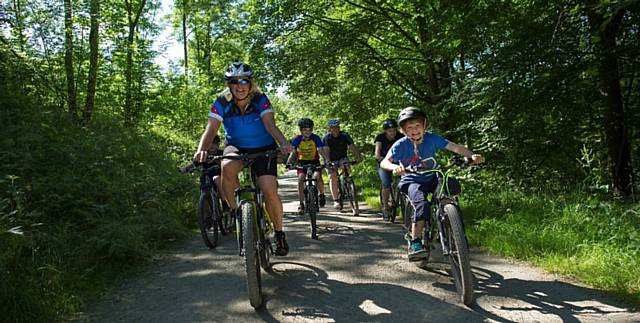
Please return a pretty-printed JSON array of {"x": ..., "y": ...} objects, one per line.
[
  {"x": 133, "y": 22},
  {"x": 184, "y": 36},
  {"x": 604, "y": 32},
  {"x": 19, "y": 24},
  {"x": 68, "y": 59},
  {"x": 93, "y": 61}
]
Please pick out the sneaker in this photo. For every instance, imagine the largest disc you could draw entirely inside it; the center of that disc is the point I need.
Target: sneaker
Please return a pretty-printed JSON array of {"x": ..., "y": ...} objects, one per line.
[
  {"x": 321, "y": 200},
  {"x": 416, "y": 250},
  {"x": 301, "y": 208},
  {"x": 385, "y": 214},
  {"x": 337, "y": 206},
  {"x": 282, "y": 248}
]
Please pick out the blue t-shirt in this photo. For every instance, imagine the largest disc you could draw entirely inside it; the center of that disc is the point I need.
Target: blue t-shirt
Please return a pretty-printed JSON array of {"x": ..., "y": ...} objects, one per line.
[
  {"x": 244, "y": 130},
  {"x": 402, "y": 152}
]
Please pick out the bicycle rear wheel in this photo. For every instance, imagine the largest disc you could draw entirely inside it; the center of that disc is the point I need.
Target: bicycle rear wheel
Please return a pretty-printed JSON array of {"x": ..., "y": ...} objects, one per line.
[
  {"x": 458, "y": 254},
  {"x": 207, "y": 221},
  {"x": 218, "y": 214},
  {"x": 251, "y": 259},
  {"x": 311, "y": 202}
]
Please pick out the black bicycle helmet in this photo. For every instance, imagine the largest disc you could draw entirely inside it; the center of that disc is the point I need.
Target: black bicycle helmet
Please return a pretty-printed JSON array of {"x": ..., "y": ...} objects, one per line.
[
  {"x": 305, "y": 123},
  {"x": 389, "y": 123},
  {"x": 410, "y": 113},
  {"x": 238, "y": 69}
]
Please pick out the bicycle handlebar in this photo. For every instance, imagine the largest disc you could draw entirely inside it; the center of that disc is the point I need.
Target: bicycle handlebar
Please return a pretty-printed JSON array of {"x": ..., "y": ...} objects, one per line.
[
  {"x": 305, "y": 167},
  {"x": 455, "y": 161},
  {"x": 334, "y": 164}
]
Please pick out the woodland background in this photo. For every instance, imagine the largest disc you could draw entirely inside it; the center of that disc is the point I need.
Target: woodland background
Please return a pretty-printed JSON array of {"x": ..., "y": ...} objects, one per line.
[{"x": 93, "y": 128}]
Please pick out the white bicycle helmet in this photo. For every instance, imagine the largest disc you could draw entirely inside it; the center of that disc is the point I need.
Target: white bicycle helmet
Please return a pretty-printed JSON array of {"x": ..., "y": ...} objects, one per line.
[
  {"x": 238, "y": 69},
  {"x": 333, "y": 123}
]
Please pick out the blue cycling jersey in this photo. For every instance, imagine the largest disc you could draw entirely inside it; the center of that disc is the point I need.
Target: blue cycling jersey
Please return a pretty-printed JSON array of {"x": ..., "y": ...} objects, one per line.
[
  {"x": 244, "y": 130},
  {"x": 403, "y": 152}
]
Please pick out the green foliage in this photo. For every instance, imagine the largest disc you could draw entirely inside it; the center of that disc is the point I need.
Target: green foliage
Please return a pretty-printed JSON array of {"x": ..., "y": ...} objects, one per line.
[{"x": 79, "y": 205}]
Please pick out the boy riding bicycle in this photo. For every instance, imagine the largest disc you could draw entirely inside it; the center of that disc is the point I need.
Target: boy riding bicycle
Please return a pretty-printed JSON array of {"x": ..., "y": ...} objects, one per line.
[
  {"x": 308, "y": 147},
  {"x": 417, "y": 146}
]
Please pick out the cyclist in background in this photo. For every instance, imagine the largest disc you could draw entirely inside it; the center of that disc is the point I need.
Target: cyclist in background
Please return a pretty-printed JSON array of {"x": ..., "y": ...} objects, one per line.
[
  {"x": 382, "y": 144},
  {"x": 412, "y": 150},
  {"x": 213, "y": 173},
  {"x": 250, "y": 127},
  {"x": 309, "y": 149},
  {"x": 336, "y": 143}
]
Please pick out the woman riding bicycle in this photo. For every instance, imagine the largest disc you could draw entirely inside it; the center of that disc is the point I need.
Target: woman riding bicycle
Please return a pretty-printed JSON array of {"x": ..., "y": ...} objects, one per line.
[
  {"x": 417, "y": 146},
  {"x": 309, "y": 148},
  {"x": 249, "y": 126},
  {"x": 383, "y": 142}
]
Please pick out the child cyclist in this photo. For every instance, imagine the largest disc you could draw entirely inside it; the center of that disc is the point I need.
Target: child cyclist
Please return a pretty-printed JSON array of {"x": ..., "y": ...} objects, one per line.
[
  {"x": 309, "y": 147},
  {"x": 416, "y": 146}
]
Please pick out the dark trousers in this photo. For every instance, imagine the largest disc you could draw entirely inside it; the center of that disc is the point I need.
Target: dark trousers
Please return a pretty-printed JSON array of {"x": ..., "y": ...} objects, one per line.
[{"x": 417, "y": 193}]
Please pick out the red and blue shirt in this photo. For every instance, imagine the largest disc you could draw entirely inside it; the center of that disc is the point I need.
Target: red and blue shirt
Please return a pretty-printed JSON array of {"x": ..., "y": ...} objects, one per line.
[{"x": 244, "y": 130}]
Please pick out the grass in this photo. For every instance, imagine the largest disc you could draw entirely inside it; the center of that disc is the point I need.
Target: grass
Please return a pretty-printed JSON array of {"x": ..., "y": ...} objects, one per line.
[{"x": 577, "y": 235}]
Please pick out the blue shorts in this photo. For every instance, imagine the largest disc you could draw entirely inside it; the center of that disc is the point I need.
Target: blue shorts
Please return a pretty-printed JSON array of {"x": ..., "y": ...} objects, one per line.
[{"x": 385, "y": 177}]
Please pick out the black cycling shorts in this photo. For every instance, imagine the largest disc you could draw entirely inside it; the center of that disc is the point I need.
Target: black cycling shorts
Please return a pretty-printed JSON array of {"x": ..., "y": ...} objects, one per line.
[{"x": 262, "y": 165}]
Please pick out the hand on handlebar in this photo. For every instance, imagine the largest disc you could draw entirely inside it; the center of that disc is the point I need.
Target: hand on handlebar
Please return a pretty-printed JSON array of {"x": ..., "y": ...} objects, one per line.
[
  {"x": 200, "y": 156},
  {"x": 476, "y": 159},
  {"x": 399, "y": 171},
  {"x": 286, "y": 148}
]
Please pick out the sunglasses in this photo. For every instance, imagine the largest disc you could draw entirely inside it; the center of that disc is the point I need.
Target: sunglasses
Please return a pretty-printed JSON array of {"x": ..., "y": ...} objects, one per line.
[{"x": 240, "y": 81}]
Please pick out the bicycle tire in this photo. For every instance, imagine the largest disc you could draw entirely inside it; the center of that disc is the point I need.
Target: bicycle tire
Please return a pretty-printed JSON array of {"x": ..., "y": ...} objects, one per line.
[
  {"x": 407, "y": 213},
  {"x": 218, "y": 214},
  {"x": 393, "y": 210},
  {"x": 251, "y": 258},
  {"x": 459, "y": 254},
  {"x": 206, "y": 221},
  {"x": 265, "y": 246},
  {"x": 353, "y": 197},
  {"x": 381, "y": 201},
  {"x": 340, "y": 193},
  {"x": 311, "y": 207}
]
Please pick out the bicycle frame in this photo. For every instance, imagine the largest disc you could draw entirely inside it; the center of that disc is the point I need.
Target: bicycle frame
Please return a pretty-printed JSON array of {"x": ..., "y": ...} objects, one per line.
[
  {"x": 250, "y": 192},
  {"x": 344, "y": 177},
  {"x": 450, "y": 228}
]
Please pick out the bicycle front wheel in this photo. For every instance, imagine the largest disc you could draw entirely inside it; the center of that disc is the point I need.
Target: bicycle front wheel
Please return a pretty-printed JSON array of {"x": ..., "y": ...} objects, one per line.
[
  {"x": 407, "y": 212},
  {"x": 353, "y": 197},
  {"x": 311, "y": 202},
  {"x": 207, "y": 221},
  {"x": 394, "y": 196},
  {"x": 265, "y": 244},
  {"x": 458, "y": 254},
  {"x": 251, "y": 259}
]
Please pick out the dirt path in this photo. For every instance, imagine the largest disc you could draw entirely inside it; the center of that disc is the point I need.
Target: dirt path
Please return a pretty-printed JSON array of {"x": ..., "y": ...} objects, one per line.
[{"x": 356, "y": 272}]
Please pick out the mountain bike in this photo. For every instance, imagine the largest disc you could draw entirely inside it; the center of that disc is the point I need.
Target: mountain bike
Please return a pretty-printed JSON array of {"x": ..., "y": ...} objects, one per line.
[
  {"x": 449, "y": 228},
  {"x": 394, "y": 197},
  {"x": 311, "y": 204},
  {"x": 211, "y": 218},
  {"x": 254, "y": 228},
  {"x": 346, "y": 187}
]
